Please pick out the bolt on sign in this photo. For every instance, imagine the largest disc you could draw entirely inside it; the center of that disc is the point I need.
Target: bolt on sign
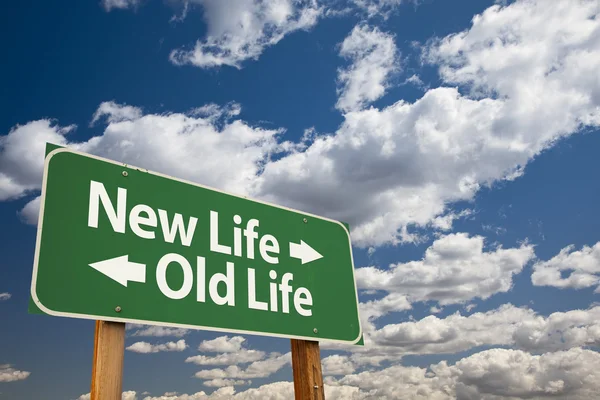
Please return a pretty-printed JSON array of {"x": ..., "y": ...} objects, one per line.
[{"x": 119, "y": 243}]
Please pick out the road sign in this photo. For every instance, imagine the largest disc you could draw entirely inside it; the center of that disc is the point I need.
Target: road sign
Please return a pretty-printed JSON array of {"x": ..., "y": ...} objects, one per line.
[{"x": 120, "y": 243}]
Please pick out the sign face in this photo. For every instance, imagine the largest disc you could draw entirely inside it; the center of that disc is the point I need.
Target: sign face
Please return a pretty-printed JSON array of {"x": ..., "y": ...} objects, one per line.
[{"x": 119, "y": 243}]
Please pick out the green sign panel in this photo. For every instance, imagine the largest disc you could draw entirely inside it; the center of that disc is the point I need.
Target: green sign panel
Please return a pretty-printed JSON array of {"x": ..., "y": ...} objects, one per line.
[{"x": 119, "y": 243}]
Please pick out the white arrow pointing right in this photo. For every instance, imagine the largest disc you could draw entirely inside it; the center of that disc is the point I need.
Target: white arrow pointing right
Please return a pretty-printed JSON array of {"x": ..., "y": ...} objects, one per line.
[
  {"x": 304, "y": 252},
  {"x": 121, "y": 270}
]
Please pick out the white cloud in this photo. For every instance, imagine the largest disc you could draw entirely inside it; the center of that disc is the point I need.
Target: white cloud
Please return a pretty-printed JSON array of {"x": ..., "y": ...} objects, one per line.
[
  {"x": 31, "y": 212},
  {"x": 513, "y": 373},
  {"x": 559, "y": 331},
  {"x": 381, "y": 8},
  {"x": 385, "y": 170},
  {"x": 161, "y": 331},
  {"x": 239, "y": 30},
  {"x": 225, "y": 382},
  {"x": 9, "y": 374},
  {"x": 491, "y": 374},
  {"x": 222, "y": 344},
  {"x": 373, "y": 59},
  {"x": 22, "y": 156},
  {"x": 128, "y": 395},
  {"x": 242, "y": 356},
  {"x": 5, "y": 296},
  {"x": 120, "y": 4},
  {"x": 582, "y": 267},
  {"x": 116, "y": 113},
  {"x": 258, "y": 369},
  {"x": 145, "y": 347},
  {"x": 435, "y": 310},
  {"x": 507, "y": 325},
  {"x": 337, "y": 365},
  {"x": 196, "y": 148},
  {"x": 455, "y": 269}
]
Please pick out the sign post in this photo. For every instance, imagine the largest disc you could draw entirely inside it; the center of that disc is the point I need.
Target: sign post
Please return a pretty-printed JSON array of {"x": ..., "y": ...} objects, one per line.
[
  {"x": 121, "y": 244},
  {"x": 306, "y": 365},
  {"x": 107, "y": 367}
]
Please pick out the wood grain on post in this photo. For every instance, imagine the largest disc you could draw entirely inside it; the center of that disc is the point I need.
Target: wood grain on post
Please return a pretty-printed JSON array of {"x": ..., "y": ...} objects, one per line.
[
  {"x": 306, "y": 363},
  {"x": 107, "y": 367}
]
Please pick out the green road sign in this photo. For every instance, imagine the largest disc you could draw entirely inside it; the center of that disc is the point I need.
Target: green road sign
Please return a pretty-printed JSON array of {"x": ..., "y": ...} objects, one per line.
[{"x": 119, "y": 243}]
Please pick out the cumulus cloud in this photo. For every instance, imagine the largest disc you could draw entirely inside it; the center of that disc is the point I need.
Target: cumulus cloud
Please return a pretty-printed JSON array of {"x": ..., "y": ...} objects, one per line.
[
  {"x": 507, "y": 325},
  {"x": 31, "y": 212},
  {"x": 223, "y": 344},
  {"x": 120, "y": 4},
  {"x": 582, "y": 268},
  {"x": 520, "y": 83},
  {"x": 529, "y": 81},
  {"x": 5, "y": 296},
  {"x": 240, "y": 357},
  {"x": 161, "y": 331},
  {"x": 337, "y": 365},
  {"x": 373, "y": 59},
  {"x": 116, "y": 112},
  {"x": 128, "y": 395},
  {"x": 381, "y": 8},
  {"x": 491, "y": 374},
  {"x": 225, "y": 382},
  {"x": 455, "y": 269},
  {"x": 241, "y": 30},
  {"x": 145, "y": 347},
  {"x": 22, "y": 156},
  {"x": 9, "y": 374},
  {"x": 196, "y": 146},
  {"x": 258, "y": 369},
  {"x": 513, "y": 373}
]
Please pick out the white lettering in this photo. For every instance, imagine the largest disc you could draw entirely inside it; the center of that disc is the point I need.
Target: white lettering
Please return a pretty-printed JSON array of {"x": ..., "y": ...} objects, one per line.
[
  {"x": 201, "y": 283},
  {"x": 300, "y": 301},
  {"x": 251, "y": 235},
  {"x": 229, "y": 281},
  {"x": 161, "y": 276},
  {"x": 264, "y": 247},
  {"x": 135, "y": 220},
  {"x": 178, "y": 226},
  {"x": 214, "y": 235},
  {"x": 252, "y": 303},
  {"x": 273, "y": 290},
  {"x": 117, "y": 218},
  {"x": 285, "y": 289}
]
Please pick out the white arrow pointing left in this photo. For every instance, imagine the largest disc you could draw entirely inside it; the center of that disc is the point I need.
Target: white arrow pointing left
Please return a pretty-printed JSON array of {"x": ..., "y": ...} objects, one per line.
[{"x": 120, "y": 269}]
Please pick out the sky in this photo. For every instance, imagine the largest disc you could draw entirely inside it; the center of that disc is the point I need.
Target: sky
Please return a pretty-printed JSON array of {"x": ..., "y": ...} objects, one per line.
[{"x": 458, "y": 139}]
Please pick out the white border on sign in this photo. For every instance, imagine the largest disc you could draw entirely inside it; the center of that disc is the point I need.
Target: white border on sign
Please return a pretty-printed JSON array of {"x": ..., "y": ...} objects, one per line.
[{"x": 139, "y": 321}]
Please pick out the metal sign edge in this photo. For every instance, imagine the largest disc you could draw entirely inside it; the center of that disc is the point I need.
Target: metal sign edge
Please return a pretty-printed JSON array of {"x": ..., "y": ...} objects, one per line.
[{"x": 195, "y": 327}]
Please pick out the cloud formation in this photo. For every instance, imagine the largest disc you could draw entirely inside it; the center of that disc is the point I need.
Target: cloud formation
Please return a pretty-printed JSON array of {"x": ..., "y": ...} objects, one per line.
[
  {"x": 241, "y": 30},
  {"x": 384, "y": 171},
  {"x": 223, "y": 344},
  {"x": 581, "y": 266},
  {"x": 119, "y": 4},
  {"x": 373, "y": 58},
  {"x": 455, "y": 269},
  {"x": 9, "y": 374},
  {"x": 493, "y": 374},
  {"x": 387, "y": 169},
  {"x": 145, "y": 347},
  {"x": 5, "y": 296},
  {"x": 160, "y": 331}
]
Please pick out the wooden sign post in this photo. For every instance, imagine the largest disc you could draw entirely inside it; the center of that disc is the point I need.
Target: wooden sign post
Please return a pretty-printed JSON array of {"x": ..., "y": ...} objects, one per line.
[
  {"x": 306, "y": 364},
  {"x": 107, "y": 367}
]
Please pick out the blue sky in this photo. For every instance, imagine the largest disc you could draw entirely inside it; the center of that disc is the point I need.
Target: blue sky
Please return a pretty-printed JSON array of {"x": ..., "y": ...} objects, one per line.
[{"x": 458, "y": 139}]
